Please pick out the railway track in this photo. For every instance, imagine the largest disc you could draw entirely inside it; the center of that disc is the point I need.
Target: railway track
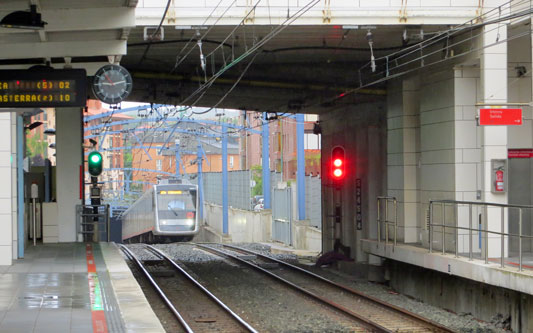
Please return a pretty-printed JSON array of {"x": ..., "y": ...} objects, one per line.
[
  {"x": 193, "y": 305},
  {"x": 372, "y": 313}
]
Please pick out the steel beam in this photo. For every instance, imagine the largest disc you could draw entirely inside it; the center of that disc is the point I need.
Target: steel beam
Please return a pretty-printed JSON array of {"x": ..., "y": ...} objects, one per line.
[
  {"x": 265, "y": 160},
  {"x": 134, "y": 121},
  {"x": 224, "y": 179},
  {"x": 200, "y": 184},
  {"x": 300, "y": 158},
  {"x": 63, "y": 49}
]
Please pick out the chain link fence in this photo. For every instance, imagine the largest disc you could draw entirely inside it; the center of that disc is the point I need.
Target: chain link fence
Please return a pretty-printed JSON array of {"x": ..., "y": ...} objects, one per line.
[
  {"x": 239, "y": 189},
  {"x": 313, "y": 197},
  {"x": 240, "y": 192}
]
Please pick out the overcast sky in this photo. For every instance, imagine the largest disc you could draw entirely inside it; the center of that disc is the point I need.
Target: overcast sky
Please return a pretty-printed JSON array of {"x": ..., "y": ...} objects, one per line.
[{"x": 210, "y": 114}]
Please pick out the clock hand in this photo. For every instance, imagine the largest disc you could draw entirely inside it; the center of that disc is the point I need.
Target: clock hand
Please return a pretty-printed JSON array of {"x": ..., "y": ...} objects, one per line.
[{"x": 108, "y": 79}]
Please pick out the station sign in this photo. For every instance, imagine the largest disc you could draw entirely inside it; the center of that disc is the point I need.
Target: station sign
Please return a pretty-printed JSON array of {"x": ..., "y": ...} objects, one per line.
[
  {"x": 43, "y": 88},
  {"x": 500, "y": 117},
  {"x": 520, "y": 153}
]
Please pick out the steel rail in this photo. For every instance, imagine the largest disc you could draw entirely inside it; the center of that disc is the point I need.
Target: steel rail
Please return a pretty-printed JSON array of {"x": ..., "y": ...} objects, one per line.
[
  {"x": 163, "y": 255},
  {"x": 374, "y": 300},
  {"x": 156, "y": 286},
  {"x": 374, "y": 327}
]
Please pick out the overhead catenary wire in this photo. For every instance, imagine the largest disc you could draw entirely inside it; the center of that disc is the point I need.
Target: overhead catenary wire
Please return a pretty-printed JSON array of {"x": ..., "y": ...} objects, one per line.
[
  {"x": 231, "y": 89},
  {"x": 203, "y": 88},
  {"x": 267, "y": 38},
  {"x": 362, "y": 85},
  {"x": 449, "y": 46},
  {"x": 180, "y": 59},
  {"x": 155, "y": 32}
]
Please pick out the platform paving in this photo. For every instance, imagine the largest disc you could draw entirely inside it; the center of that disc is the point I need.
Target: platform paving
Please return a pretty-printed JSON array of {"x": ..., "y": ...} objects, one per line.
[{"x": 48, "y": 291}]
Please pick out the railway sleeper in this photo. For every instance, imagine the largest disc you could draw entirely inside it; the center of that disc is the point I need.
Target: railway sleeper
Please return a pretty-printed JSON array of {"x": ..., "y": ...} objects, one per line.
[
  {"x": 268, "y": 265},
  {"x": 153, "y": 262},
  {"x": 247, "y": 256}
]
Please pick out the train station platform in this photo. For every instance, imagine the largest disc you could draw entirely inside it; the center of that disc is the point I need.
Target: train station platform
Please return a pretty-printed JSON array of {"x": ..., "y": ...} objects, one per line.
[
  {"x": 509, "y": 276},
  {"x": 73, "y": 287}
]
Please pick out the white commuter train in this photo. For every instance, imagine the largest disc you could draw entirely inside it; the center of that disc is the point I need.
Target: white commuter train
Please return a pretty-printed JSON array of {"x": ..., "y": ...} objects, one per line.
[{"x": 165, "y": 213}]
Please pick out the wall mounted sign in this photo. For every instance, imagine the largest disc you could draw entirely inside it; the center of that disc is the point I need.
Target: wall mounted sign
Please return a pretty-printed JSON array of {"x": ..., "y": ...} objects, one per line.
[
  {"x": 500, "y": 117},
  {"x": 520, "y": 153},
  {"x": 358, "y": 205}
]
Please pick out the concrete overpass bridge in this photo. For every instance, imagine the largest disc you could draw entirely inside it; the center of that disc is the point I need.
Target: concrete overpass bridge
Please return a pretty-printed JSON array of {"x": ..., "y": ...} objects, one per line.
[
  {"x": 312, "y": 53},
  {"x": 397, "y": 83}
]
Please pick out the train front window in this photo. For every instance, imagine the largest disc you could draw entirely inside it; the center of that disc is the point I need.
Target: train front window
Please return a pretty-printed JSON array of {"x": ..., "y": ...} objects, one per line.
[{"x": 175, "y": 204}]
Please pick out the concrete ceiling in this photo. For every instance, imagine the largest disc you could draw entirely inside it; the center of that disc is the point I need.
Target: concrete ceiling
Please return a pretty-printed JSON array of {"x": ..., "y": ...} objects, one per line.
[
  {"x": 84, "y": 32},
  {"x": 300, "y": 66}
]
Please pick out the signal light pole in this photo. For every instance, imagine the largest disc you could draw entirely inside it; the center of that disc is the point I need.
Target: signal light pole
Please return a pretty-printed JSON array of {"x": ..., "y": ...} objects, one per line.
[
  {"x": 95, "y": 166},
  {"x": 338, "y": 174}
]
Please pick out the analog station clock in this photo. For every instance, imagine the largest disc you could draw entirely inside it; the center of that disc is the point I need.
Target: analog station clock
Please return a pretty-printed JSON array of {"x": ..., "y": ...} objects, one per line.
[{"x": 112, "y": 84}]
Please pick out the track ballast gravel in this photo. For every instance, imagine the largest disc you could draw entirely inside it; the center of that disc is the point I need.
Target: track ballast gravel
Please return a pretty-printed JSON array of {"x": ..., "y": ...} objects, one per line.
[{"x": 273, "y": 309}]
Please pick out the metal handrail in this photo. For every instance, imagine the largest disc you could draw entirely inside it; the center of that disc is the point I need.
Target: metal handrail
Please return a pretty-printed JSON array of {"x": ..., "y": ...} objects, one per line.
[
  {"x": 456, "y": 227},
  {"x": 81, "y": 216},
  {"x": 386, "y": 221}
]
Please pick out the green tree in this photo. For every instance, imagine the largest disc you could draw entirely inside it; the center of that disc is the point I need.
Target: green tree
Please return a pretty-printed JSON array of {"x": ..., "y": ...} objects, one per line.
[
  {"x": 128, "y": 158},
  {"x": 35, "y": 147},
  {"x": 257, "y": 176}
]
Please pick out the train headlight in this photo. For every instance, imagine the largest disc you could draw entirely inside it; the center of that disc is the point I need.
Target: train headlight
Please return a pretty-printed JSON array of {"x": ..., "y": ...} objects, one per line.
[
  {"x": 163, "y": 222},
  {"x": 190, "y": 223}
]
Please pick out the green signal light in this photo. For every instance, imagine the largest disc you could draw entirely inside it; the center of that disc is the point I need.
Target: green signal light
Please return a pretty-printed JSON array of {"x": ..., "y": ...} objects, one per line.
[
  {"x": 95, "y": 164},
  {"x": 95, "y": 158}
]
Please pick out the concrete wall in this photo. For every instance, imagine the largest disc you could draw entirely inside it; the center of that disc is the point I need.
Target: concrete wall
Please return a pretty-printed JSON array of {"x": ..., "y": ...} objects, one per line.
[
  {"x": 69, "y": 158},
  {"x": 461, "y": 295},
  {"x": 306, "y": 237},
  {"x": 244, "y": 225},
  {"x": 520, "y": 88},
  {"x": 248, "y": 226},
  {"x": 361, "y": 130}
]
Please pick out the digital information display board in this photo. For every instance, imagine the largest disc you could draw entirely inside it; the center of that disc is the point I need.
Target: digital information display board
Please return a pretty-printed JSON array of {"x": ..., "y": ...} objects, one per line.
[{"x": 50, "y": 88}]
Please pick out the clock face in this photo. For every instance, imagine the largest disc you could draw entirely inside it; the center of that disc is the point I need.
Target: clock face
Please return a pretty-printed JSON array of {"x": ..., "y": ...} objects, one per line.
[{"x": 112, "y": 84}]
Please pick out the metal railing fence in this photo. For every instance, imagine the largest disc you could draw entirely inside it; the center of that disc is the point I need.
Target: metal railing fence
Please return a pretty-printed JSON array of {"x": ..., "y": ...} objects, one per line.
[
  {"x": 383, "y": 203},
  {"x": 482, "y": 230},
  {"x": 93, "y": 226}
]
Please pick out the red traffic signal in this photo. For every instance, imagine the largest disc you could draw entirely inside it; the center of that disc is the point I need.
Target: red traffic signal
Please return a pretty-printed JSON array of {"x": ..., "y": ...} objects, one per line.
[{"x": 337, "y": 163}]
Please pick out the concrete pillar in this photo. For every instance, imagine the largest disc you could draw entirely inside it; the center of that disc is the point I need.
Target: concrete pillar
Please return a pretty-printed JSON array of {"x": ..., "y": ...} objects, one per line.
[
  {"x": 69, "y": 159},
  {"x": 14, "y": 188},
  {"x": 403, "y": 154},
  {"x": 467, "y": 154},
  {"x": 493, "y": 138},
  {"x": 6, "y": 192}
]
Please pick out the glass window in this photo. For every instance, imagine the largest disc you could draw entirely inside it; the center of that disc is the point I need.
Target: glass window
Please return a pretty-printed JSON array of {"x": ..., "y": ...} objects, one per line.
[
  {"x": 159, "y": 165},
  {"x": 175, "y": 205}
]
